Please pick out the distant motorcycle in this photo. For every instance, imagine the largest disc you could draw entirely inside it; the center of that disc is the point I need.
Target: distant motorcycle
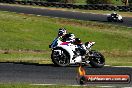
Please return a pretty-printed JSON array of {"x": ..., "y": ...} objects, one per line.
[
  {"x": 118, "y": 18},
  {"x": 65, "y": 53}
]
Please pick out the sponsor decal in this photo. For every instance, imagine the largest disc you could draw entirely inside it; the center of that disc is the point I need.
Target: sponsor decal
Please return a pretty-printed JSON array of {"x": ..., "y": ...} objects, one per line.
[
  {"x": 108, "y": 78},
  {"x": 82, "y": 78},
  {"x": 64, "y": 43}
]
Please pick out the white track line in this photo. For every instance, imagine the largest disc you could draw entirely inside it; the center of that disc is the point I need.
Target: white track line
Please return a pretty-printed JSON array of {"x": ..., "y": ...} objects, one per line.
[
  {"x": 54, "y": 84},
  {"x": 43, "y": 84},
  {"x": 122, "y": 66},
  {"x": 106, "y": 65},
  {"x": 117, "y": 66},
  {"x": 77, "y": 85},
  {"x": 107, "y": 86}
]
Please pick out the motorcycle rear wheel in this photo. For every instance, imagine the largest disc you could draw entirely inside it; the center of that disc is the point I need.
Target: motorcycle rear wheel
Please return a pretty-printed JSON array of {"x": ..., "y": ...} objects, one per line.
[
  {"x": 121, "y": 21},
  {"x": 97, "y": 60},
  {"x": 60, "y": 60}
]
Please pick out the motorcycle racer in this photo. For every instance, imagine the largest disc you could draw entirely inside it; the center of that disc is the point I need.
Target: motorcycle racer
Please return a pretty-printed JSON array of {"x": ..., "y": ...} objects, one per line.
[
  {"x": 114, "y": 15},
  {"x": 61, "y": 33},
  {"x": 70, "y": 37},
  {"x": 64, "y": 36},
  {"x": 76, "y": 41},
  {"x": 81, "y": 47},
  {"x": 66, "y": 50}
]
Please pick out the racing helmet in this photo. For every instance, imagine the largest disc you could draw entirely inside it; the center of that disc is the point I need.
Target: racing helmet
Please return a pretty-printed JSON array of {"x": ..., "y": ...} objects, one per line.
[
  {"x": 61, "y": 32},
  {"x": 114, "y": 13}
]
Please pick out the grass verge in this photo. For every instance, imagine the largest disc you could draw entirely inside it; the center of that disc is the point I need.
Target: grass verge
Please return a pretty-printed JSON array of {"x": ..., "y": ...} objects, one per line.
[
  {"x": 37, "y": 86},
  {"x": 22, "y": 35}
]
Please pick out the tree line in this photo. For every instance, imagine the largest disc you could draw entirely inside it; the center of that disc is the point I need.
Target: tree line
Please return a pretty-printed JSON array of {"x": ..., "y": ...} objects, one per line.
[{"x": 126, "y": 2}]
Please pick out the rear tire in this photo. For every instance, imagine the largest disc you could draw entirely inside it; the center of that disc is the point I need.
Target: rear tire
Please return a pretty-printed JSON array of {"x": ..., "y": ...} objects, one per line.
[
  {"x": 121, "y": 21},
  {"x": 60, "y": 60},
  {"x": 98, "y": 60}
]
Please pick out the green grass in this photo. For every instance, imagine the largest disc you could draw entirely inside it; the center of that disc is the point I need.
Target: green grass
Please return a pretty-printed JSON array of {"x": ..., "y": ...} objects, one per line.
[
  {"x": 81, "y": 1},
  {"x": 119, "y": 61},
  {"x": 20, "y": 32},
  {"x": 118, "y": 2},
  {"x": 35, "y": 58},
  {"x": 24, "y": 32},
  {"x": 37, "y": 86}
]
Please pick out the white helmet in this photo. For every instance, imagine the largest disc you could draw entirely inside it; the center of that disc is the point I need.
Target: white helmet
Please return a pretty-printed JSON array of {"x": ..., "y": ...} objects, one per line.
[
  {"x": 114, "y": 13},
  {"x": 62, "y": 31}
]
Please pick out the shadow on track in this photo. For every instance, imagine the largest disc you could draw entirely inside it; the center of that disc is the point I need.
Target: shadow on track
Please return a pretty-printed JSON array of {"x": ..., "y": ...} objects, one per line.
[
  {"x": 48, "y": 65},
  {"x": 29, "y": 63}
]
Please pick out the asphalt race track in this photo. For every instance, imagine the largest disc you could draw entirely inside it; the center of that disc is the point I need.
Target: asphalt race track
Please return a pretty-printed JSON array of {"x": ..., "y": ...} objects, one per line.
[
  {"x": 64, "y": 14},
  {"x": 49, "y": 74}
]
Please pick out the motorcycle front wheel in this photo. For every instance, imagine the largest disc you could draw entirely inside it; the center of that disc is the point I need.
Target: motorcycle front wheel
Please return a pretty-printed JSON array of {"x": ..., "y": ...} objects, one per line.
[
  {"x": 60, "y": 57},
  {"x": 109, "y": 19},
  {"x": 97, "y": 60}
]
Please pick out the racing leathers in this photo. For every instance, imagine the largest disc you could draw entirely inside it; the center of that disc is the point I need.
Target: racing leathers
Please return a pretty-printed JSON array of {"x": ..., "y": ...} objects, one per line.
[{"x": 81, "y": 49}]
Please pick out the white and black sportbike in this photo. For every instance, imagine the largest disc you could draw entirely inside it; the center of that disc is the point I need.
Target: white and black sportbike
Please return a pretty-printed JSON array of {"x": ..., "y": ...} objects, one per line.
[
  {"x": 112, "y": 18},
  {"x": 66, "y": 53}
]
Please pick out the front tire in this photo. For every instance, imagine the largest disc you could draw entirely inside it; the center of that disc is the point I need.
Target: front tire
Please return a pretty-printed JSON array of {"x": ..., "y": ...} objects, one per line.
[
  {"x": 60, "y": 59},
  {"x": 97, "y": 60}
]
